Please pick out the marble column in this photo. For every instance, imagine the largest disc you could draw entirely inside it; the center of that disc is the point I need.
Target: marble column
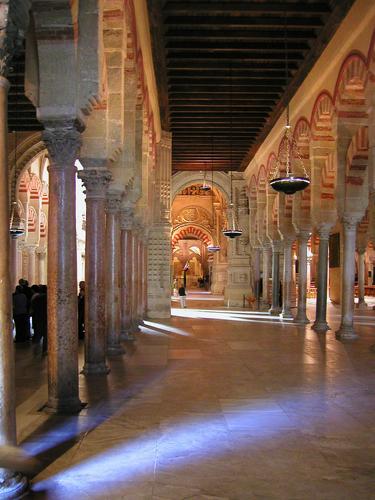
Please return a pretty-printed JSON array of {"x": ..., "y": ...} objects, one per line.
[
  {"x": 275, "y": 307},
  {"x": 41, "y": 254},
  {"x": 96, "y": 182},
  {"x": 361, "y": 278},
  {"x": 63, "y": 143},
  {"x": 287, "y": 278},
  {"x": 266, "y": 275},
  {"x": 113, "y": 274},
  {"x": 12, "y": 484},
  {"x": 126, "y": 271},
  {"x": 32, "y": 277},
  {"x": 346, "y": 330},
  {"x": 145, "y": 272},
  {"x": 135, "y": 281},
  {"x": 13, "y": 263},
  {"x": 303, "y": 238},
  {"x": 256, "y": 271},
  {"x": 320, "y": 324},
  {"x": 140, "y": 277}
]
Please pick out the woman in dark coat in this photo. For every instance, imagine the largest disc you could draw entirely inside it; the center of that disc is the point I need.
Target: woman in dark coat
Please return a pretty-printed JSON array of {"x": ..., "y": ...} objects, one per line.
[{"x": 21, "y": 315}]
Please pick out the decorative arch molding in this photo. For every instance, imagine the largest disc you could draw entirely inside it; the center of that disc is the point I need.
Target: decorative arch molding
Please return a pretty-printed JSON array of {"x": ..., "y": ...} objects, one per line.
[
  {"x": 201, "y": 233},
  {"x": 27, "y": 151},
  {"x": 351, "y": 81},
  {"x": 182, "y": 180},
  {"x": 322, "y": 117}
]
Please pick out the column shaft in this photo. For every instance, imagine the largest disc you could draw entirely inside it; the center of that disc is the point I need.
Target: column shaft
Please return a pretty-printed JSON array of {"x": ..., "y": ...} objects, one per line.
[
  {"x": 361, "y": 279},
  {"x": 266, "y": 274},
  {"x": 126, "y": 277},
  {"x": 135, "y": 281},
  {"x": 62, "y": 144},
  {"x": 275, "y": 307},
  {"x": 346, "y": 330},
  {"x": 95, "y": 181},
  {"x": 287, "y": 279},
  {"x": 303, "y": 238},
  {"x": 320, "y": 325},
  {"x": 112, "y": 275}
]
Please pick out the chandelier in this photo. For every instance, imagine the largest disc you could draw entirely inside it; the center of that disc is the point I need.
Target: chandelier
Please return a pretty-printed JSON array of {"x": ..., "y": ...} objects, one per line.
[
  {"x": 205, "y": 187},
  {"x": 289, "y": 174},
  {"x": 232, "y": 230},
  {"x": 213, "y": 248}
]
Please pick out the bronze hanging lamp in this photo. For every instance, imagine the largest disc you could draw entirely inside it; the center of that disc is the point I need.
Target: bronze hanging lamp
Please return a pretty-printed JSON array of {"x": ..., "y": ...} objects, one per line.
[
  {"x": 17, "y": 224},
  {"x": 205, "y": 186},
  {"x": 290, "y": 160},
  {"x": 213, "y": 248}
]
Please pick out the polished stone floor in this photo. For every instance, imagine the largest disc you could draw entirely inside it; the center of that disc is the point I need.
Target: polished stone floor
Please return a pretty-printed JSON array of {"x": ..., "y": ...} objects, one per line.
[{"x": 212, "y": 404}]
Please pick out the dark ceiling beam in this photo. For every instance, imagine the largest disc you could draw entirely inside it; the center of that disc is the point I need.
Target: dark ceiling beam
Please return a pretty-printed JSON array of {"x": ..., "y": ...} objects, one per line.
[
  {"x": 195, "y": 21},
  {"x": 230, "y": 66},
  {"x": 239, "y": 46},
  {"x": 213, "y": 32},
  {"x": 203, "y": 56},
  {"x": 247, "y": 7}
]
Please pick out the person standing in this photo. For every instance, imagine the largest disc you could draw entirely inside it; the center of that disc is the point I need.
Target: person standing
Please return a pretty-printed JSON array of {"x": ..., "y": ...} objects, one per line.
[
  {"x": 21, "y": 315},
  {"x": 182, "y": 295}
]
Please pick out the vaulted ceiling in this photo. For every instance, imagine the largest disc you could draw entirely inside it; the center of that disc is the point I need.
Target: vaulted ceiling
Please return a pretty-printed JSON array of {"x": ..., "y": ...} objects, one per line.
[{"x": 226, "y": 70}]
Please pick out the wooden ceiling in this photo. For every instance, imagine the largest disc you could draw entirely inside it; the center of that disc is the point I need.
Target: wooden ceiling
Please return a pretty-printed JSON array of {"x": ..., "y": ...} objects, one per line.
[{"x": 223, "y": 74}]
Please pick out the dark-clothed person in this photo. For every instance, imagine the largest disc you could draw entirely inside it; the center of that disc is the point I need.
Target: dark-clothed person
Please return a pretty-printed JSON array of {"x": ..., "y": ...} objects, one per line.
[
  {"x": 21, "y": 315},
  {"x": 39, "y": 315},
  {"x": 81, "y": 310}
]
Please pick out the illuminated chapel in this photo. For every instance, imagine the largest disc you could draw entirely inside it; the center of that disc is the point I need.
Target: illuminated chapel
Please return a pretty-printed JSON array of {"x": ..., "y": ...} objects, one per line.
[{"x": 223, "y": 150}]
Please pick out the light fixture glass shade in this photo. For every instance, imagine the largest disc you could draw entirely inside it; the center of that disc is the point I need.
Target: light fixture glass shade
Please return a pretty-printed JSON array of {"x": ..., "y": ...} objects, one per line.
[
  {"x": 17, "y": 225},
  {"x": 232, "y": 230},
  {"x": 290, "y": 184},
  {"x": 205, "y": 186}
]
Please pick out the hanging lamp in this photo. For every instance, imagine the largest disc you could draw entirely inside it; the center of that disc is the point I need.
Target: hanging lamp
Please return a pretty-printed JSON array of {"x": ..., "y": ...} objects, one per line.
[
  {"x": 296, "y": 177},
  {"x": 213, "y": 248},
  {"x": 232, "y": 230},
  {"x": 205, "y": 187},
  {"x": 16, "y": 225}
]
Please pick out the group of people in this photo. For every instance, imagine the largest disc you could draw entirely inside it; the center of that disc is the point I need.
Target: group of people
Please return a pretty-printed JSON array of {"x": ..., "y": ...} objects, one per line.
[{"x": 30, "y": 302}]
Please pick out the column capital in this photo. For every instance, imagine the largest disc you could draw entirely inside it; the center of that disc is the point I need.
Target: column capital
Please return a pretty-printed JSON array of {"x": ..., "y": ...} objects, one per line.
[
  {"x": 126, "y": 218},
  {"x": 63, "y": 141},
  {"x": 323, "y": 230},
  {"x": 277, "y": 246},
  {"x": 350, "y": 221},
  {"x": 303, "y": 236},
  {"x": 96, "y": 182},
  {"x": 114, "y": 200},
  {"x": 41, "y": 251}
]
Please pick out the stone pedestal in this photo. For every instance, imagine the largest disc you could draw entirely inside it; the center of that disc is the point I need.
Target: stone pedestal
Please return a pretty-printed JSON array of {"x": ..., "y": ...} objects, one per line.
[
  {"x": 361, "y": 279},
  {"x": 303, "y": 238},
  {"x": 113, "y": 274},
  {"x": 287, "y": 279},
  {"x": 63, "y": 144},
  {"x": 275, "y": 307},
  {"x": 320, "y": 325},
  {"x": 346, "y": 330},
  {"x": 95, "y": 181}
]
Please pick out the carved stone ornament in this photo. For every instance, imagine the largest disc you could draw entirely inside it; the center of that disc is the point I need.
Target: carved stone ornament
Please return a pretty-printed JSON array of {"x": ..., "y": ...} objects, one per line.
[
  {"x": 63, "y": 144},
  {"x": 95, "y": 181},
  {"x": 113, "y": 202},
  {"x": 195, "y": 215},
  {"x": 127, "y": 219}
]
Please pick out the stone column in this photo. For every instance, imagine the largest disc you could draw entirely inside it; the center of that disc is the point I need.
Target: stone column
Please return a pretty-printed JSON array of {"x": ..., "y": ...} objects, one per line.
[
  {"x": 12, "y": 484},
  {"x": 140, "y": 278},
  {"x": 63, "y": 144},
  {"x": 303, "y": 238},
  {"x": 346, "y": 330},
  {"x": 145, "y": 272},
  {"x": 135, "y": 281},
  {"x": 256, "y": 274},
  {"x": 41, "y": 253},
  {"x": 275, "y": 308},
  {"x": 95, "y": 181},
  {"x": 126, "y": 273},
  {"x": 13, "y": 263},
  {"x": 113, "y": 274},
  {"x": 361, "y": 278},
  {"x": 31, "y": 273},
  {"x": 287, "y": 278},
  {"x": 266, "y": 275},
  {"x": 320, "y": 325}
]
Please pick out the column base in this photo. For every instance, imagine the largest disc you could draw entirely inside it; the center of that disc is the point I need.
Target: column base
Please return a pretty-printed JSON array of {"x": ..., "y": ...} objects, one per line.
[
  {"x": 301, "y": 319},
  {"x": 320, "y": 326},
  {"x": 361, "y": 305},
  {"x": 275, "y": 311},
  {"x": 14, "y": 487},
  {"x": 63, "y": 406},
  {"x": 286, "y": 314},
  {"x": 128, "y": 335},
  {"x": 95, "y": 369},
  {"x": 135, "y": 327},
  {"x": 264, "y": 306},
  {"x": 346, "y": 333},
  {"x": 115, "y": 350}
]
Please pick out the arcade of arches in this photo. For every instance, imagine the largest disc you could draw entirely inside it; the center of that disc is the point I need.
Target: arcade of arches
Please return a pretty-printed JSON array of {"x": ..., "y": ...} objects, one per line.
[{"x": 95, "y": 190}]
